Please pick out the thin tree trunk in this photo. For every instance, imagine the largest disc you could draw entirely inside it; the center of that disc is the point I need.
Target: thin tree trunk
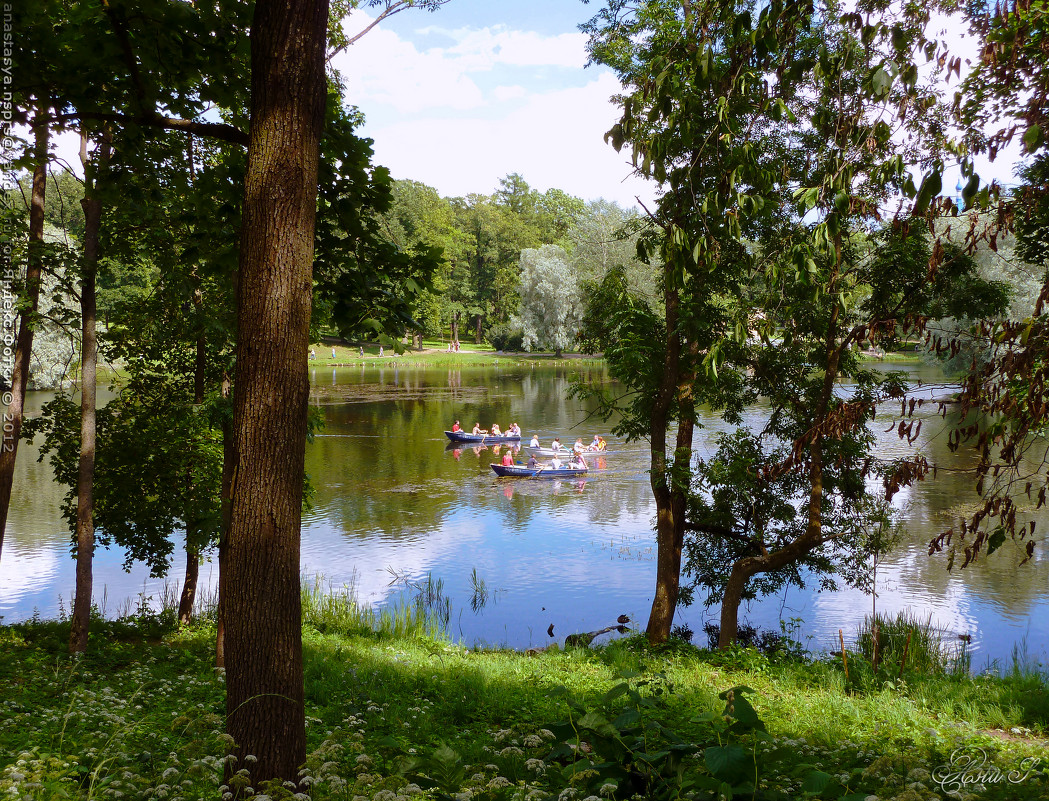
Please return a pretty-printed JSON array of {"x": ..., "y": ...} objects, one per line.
[
  {"x": 749, "y": 566},
  {"x": 226, "y": 493},
  {"x": 15, "y": 401},
  {"x": 668, "y": 549},
  {"x": 261, "y": 604},
  {"x": 189, "y": 584},
  {"x": 85, "y": 508}
]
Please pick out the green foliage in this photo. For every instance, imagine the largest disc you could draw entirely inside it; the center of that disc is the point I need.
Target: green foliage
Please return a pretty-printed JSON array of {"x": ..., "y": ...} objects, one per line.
[
  {"x": 158, "y": 465},
  {"x": 364, "y": 284}
]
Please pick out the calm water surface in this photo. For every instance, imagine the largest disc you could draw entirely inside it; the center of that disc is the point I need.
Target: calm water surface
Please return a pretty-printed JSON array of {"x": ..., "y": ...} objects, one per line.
[{"x": 394, "y": 506}]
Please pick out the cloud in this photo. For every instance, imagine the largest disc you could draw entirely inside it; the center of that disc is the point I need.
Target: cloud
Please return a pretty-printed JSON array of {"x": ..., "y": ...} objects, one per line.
[
  {"x": 487, "y": 102},
  {"x": 382, "y": 68},
  {"x": 553, "y": 139},
  {"x": 486, "y": 48},
  {"x": 504, "y": 93}
]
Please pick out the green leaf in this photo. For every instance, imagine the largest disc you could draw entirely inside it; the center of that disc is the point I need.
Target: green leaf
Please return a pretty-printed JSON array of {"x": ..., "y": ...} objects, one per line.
[
  {"x": 728, "y": 762},
  {"x": 930, "y": 188},
  {"x": 996, "y": 540},
  {"x": 816, "y": 782},
  {"x": 1032, "y": 138},
  {"x": 970, "y": 190},
  {"x": 880, "y": 82},
  {"x": 615, "y": 692}
]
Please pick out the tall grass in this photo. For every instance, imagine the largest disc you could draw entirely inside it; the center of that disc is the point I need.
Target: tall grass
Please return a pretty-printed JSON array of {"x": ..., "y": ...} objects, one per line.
[
  {"x": 909, "y": 643},
  {"x": 338, "y": 611}
]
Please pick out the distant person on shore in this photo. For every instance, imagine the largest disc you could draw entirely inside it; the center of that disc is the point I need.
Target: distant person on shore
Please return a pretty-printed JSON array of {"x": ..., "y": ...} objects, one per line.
[
  {"x": 362, "y": 351},
  {"x": 333, "y": 351},
  {"x": 313, "y": 354},
  {"x": 380, "y": 350}
]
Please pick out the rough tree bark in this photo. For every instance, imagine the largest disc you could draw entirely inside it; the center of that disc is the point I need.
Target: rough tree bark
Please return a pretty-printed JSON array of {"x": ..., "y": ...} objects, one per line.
[
  {"x": 261, "y": 604},
  {"x": 12, "y": 422},
  {"x": 85, "y": 505}
]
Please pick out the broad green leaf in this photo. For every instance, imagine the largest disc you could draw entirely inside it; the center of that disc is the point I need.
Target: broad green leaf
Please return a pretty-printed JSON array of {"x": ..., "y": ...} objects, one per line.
[
  {"x": 816, "y": 782},
  {"x": 996, "y": 540},
  {"x": 930, "y": 188},
  {"x": 727, "y": 762},
  {"x": 1032, "y": 138}
]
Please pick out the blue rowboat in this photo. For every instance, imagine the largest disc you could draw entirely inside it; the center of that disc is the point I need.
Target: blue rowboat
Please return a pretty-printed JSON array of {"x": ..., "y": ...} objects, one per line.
[
  {"x": 477, "y": 439},
  {"x": 520, "y": 471}
]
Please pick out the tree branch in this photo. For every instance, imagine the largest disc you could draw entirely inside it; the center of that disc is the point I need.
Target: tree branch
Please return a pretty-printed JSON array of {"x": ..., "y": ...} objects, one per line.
[{"x": 210, "y": 130}]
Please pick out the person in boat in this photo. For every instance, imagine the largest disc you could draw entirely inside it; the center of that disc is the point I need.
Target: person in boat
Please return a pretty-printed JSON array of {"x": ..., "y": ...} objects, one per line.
[
  {"x": 535, "y": 441},
  {"x": 578, "y": 447},
  {"x": 456, "y": 427},
  {"x": 495, "y": 431},
  {"x": 579, "y": 462},
  {"x": 508, "y": 458},
  {"x": 556, "y": 444},
  {"x": 532, "y": 463},
  {"x": 555, "y": 463},
  {"x": 514, "y": 430},
  {"x": 477, "y": 429},
  {"x": 596, "y": 444},
  {"x": 602, "y": 445}
]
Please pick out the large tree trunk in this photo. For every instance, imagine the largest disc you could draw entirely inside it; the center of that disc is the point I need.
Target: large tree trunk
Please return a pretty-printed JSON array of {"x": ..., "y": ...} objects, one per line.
[
  {"x": 15, "y": 401},
  {"x": 261, "y": 604},
  {"x": 85, "y": 505}
]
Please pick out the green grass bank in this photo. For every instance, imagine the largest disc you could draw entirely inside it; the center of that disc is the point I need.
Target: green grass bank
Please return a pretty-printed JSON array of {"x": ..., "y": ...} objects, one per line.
[{"x": 394, "y": 713}]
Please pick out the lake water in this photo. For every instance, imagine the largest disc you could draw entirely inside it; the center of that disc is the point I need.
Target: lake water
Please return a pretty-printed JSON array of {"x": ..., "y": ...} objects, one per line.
[{"x": 394, "y": 506}]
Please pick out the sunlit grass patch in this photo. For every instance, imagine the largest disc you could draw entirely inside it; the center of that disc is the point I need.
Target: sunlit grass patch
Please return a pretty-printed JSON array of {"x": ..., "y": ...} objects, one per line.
[{"x": 397, "y": 712}]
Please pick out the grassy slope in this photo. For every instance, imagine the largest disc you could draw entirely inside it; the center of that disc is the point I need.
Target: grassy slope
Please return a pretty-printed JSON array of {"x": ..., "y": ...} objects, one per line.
[{"x": 144, "y": 711}]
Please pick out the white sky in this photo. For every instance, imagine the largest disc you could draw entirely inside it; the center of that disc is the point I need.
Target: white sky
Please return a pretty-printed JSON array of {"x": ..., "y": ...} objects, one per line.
[{"x": 463, "y": 96}]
